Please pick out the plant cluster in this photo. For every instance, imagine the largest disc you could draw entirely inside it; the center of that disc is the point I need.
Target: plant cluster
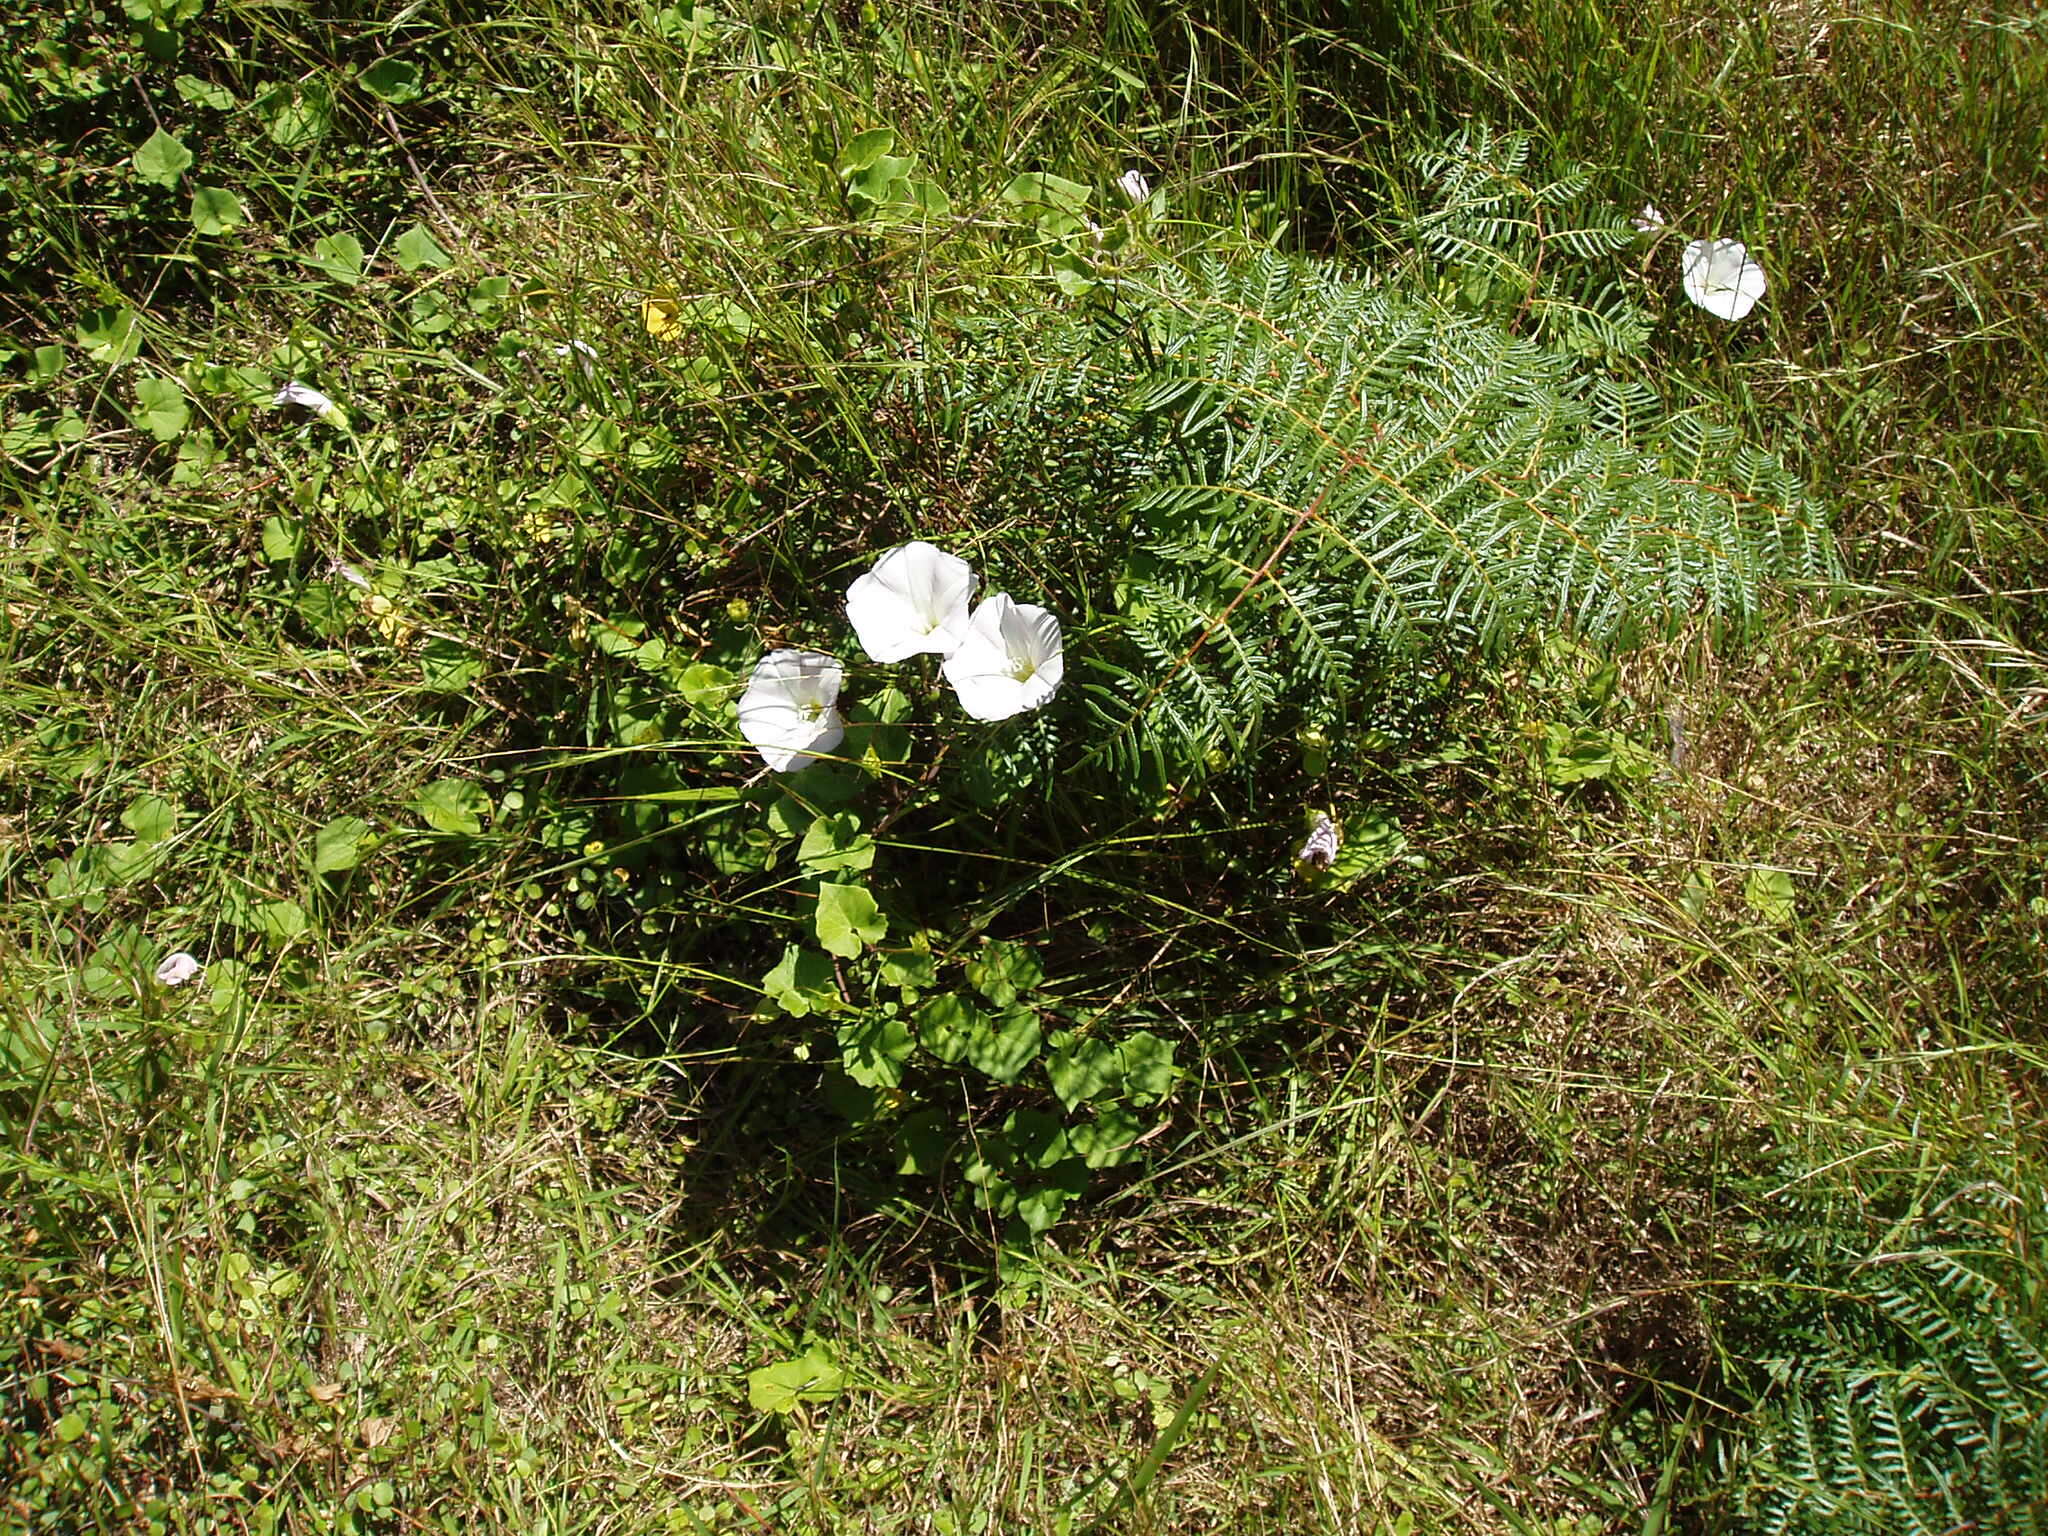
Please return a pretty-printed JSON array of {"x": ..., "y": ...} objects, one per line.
[
  {"x": 1322, "y": 479},
  {"x": 150, "y": 129},
  {"x": 1900, "y": 1348},
  {"x": 1002, "y": 659},
  {"x": 1289, "y": 508},
  {"x": 1289, "y": 504},
  {"x": 469, "y": 908}
]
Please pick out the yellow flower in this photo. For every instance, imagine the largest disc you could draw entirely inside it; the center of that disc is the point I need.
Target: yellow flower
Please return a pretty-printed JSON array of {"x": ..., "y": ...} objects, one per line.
[
  {"x": 662, "y": 317},
  {"x": 388, "y": 620}
]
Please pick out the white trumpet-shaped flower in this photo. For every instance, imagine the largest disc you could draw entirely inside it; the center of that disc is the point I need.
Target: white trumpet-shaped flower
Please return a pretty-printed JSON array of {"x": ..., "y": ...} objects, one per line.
[
  {"x": 915, "y": 599},
  {"x": 790, "y": 711},
  {"x": 1650, "y": 220},
  {"x": 1012, "y": 659},
  {"x": 177, "y": 969},
  {"x": 1134, "y": 186},
  {"x": 1722, "y": 277}
]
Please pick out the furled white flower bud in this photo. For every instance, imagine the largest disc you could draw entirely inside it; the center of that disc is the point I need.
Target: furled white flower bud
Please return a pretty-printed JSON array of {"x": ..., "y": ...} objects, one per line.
[
  {"x": 177, "y": 969},
  {"x": 313, "y": 400},
  {"x": 584, "y": 353}
]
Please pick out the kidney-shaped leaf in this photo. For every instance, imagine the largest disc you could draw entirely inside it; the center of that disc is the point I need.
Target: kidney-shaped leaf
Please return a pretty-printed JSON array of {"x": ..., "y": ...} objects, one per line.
[
  {"x": 453, "y": 805},
  {"x": 848, "y": 918}
]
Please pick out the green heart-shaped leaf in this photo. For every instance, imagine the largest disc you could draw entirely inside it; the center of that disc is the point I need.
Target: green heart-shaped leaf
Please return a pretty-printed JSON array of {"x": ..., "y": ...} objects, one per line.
[
  {"x": 848, "y": 918},
  {"x": 162, "y": 159},
  {"x": 216, "y": 210},
  {"x": 416, "y": 248},
  {"x": 392, "y": 80},
  {"x": 453, "y": 805}
]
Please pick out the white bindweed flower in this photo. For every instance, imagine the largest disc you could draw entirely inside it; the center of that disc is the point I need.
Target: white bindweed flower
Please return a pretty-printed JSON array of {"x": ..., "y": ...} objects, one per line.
[
  {"x": 1012, "y": 659},
  {"x": 1134, "y": 186},
  {"x": 313, "y": 400},
  {"x": 177, "y": 969},
  {"x": 1722, "y": 277},
  {"x": 296, "y": 393},
  {"x": 1650, "y": 220},
  {"x": 915, "y": 599},
  {"x": 790, "y": 711}
]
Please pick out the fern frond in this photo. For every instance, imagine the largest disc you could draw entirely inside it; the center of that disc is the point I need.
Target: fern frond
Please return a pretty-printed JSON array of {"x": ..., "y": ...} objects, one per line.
[
  {"x": 1308, "y": 473},
  {"x": 1920, "y": 1403}
]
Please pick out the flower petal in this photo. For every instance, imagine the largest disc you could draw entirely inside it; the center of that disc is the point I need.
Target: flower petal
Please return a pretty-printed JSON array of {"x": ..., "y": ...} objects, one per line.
[
  {"x": 788, "y": 712},
  {"x": 797, "y": 677},
  {"x": 1011, "y": 660},
  {"x": 914, "y": 600},
  {"x": 988, "y": 695},
  {"x": 826, "y": 732},
  {"x": 1722, "y": 277}
]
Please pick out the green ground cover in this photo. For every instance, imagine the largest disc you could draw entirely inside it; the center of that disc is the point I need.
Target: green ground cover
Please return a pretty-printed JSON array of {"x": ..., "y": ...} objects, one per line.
[{"x": 576, "y": 1127}]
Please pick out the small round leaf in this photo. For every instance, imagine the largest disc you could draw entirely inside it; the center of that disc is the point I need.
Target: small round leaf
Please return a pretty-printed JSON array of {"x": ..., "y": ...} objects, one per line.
[
  {"x": 162, "y": 159},
  {"x": 216, "y": 210},
  {"x": 392, "y": 80}
]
